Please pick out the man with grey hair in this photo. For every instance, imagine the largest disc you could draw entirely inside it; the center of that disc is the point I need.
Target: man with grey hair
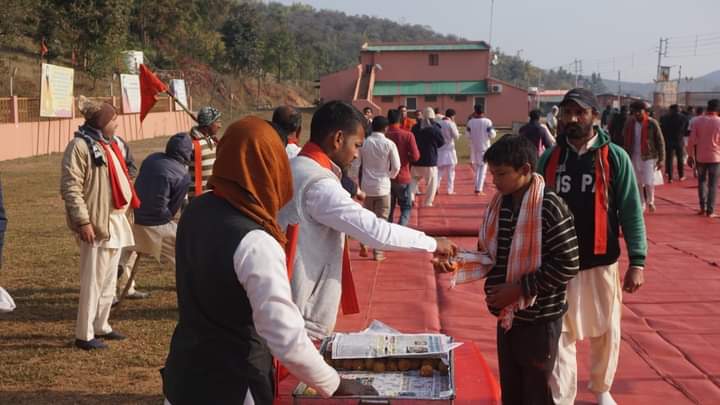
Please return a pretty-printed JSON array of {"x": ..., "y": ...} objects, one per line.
[
  {"x": 204, "y": 139},
  {"x": 290, "y": 122},
  {"x": 428, "y": 136}
]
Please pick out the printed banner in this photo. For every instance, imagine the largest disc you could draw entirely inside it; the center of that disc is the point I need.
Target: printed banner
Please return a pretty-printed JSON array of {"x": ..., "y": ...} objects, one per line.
[
  {"x": 130, "y": 85},
  {"x": 178, "y": 88},
  {"x": 56, "y": 91}
]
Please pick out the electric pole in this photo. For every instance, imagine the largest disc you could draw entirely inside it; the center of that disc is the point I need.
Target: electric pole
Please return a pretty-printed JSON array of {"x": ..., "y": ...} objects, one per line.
[{"x": 661, "y": 53}]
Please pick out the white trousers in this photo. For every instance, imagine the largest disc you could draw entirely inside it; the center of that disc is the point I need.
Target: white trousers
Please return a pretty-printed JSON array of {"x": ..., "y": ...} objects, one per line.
[
  {"x": 98, "y": 278},
  {"x": 594, "y": 311},
  {"x": 448, "y": 172},
  {"x": 430, "y": 175},
  {"x": 480, "y": 169}
]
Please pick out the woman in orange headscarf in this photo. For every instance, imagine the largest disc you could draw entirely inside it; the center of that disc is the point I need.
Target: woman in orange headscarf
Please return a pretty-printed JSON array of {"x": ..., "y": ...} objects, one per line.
[{"x": 236, "y": 309}]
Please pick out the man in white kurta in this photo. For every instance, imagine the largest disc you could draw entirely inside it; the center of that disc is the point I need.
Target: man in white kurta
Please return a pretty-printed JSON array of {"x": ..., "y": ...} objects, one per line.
[
  {"x": 447, "y": 155},
  {"x": 481, "y": 132}
]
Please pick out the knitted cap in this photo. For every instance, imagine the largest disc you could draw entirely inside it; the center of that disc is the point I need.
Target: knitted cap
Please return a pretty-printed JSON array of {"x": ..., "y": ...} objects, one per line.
[
  {"x": 207, "y": 115},
  {"x": 97, "y": 114}
]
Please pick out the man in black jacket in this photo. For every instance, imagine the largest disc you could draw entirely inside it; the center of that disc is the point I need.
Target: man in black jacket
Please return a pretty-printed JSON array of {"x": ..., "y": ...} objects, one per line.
[
  {"x": 674, "y": 127},
  {"x": 538, "y": 134},
  {"x": 428, "y": 136},
  {"x": 161, "y": 185}
]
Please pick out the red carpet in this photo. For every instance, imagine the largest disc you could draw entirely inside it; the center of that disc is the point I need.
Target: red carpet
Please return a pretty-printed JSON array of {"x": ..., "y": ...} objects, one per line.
[{"x": 671, "y": 328}]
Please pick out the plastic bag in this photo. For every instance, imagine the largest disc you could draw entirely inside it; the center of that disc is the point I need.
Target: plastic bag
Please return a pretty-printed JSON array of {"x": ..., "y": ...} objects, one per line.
[
  {"x": 469, "y": 266},
  {"x": 6, "y": 301}
]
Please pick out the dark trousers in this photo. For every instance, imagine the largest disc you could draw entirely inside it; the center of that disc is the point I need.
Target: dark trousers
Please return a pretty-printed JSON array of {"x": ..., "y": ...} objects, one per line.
[
  {"x": 526, "y": 356},
  {"x": 708, "y": 174},
  {"x": 400, "y": 195},
  {"x": 677, "y": 151}
]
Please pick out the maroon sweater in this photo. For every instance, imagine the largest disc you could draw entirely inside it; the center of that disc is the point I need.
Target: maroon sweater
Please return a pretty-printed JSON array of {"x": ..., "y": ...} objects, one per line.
[{"x": 407, "y": 149}]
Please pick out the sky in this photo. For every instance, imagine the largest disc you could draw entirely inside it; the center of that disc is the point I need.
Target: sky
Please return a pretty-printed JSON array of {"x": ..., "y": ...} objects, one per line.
[{"x": 607, "y": 36}]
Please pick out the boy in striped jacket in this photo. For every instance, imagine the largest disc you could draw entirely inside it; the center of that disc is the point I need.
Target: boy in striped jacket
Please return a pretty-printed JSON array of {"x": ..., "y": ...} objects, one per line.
[{"x": 528, "y": 235}]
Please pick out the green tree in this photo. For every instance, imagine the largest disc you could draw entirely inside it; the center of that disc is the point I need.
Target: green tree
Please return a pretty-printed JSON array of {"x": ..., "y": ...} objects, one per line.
[{"x": 241, "y": 36}]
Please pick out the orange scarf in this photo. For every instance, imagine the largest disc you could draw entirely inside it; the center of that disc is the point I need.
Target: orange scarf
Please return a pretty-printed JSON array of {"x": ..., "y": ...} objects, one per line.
[
  {"x": 526, "y": 248},
  {"x": 349, "y": 300},
  {"x": 119, "y": 200},
  {"x": 602, "y": 185},
  {"x": 630, "y": 135},
  {"x": 252, "y": 173}
]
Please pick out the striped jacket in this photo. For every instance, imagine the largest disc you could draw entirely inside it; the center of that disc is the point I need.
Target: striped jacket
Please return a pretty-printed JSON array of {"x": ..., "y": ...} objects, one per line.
[
  {"x": 208, "y": 147},
  {"x": 560, "y": 260}
]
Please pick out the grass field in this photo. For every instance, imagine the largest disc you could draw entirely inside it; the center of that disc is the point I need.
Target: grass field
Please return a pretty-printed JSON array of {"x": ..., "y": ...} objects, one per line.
[{"x": 38, "y": 363}]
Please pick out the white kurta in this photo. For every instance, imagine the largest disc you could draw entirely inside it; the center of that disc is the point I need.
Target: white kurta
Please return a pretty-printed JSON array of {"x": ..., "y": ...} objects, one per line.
[
  {"x": 447, "y": 155},
  {"x": 644, "y": 169},
  {"x": 481, "y": 134},
  {"x": 329, "y": 204},
  {"x": 261, "y": 270}
]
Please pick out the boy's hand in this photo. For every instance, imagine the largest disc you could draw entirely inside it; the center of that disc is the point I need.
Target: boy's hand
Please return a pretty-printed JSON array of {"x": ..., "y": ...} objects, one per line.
[
  {"x": 634, "y": 279},
  {"x": 445, "y": 248},
  {"x": 501, "y": 295}
]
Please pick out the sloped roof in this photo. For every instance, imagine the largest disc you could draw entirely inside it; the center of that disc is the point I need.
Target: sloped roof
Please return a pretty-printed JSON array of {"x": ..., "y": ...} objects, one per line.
[{"x": 426, "y": 46}]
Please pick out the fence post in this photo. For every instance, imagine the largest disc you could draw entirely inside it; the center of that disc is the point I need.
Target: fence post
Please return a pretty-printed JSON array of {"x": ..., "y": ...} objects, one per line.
[{"x": 15, "y": 113}]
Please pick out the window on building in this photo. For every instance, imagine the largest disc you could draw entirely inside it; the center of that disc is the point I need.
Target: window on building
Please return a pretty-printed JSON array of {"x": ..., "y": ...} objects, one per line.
[
  {"x": 434, "y": 59},
  {"x": 411, "y": 103},
  {"x": 430, "y": 99},
  {"x": 479, "y": 101},
  {"x": 387, "y": 99},
  {"x": 460, "y": 97}
]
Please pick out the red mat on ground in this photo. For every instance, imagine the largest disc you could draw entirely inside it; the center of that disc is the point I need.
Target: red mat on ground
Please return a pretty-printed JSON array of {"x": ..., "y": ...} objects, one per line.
[{"x": 402, "y": 292}]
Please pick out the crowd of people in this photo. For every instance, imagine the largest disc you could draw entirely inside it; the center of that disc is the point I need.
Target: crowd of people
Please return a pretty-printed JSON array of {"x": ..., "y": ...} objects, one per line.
[{"x": 240, "y": 218}]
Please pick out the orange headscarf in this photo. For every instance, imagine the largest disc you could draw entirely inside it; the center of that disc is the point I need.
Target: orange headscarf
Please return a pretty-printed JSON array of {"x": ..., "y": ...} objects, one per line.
[{"x": 252, "y": 172}]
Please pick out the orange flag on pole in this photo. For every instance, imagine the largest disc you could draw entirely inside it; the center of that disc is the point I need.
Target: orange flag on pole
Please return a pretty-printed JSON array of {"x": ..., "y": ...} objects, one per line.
[{"x": 150, "y": 86}]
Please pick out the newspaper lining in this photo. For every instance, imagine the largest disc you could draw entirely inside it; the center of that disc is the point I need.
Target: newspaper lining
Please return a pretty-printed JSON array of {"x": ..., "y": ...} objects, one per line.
[{"x": 368, "y": 346}]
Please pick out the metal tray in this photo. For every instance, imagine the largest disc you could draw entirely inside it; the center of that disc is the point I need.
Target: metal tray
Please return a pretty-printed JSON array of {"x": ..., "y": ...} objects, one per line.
[{"x": 446, "y": 393}]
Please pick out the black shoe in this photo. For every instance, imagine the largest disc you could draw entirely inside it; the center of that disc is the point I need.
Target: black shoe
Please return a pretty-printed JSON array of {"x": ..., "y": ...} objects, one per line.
[
  {"x": 90, "y": 344},
  {"x": 111, "y": 336}
]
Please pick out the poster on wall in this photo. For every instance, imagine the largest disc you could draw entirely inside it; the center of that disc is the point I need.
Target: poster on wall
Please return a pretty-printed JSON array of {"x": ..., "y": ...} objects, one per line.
[
  {"x": 178, "y": 88},
  {"x": 56, "y": 91},
  {"x": 130, "y": 85}
]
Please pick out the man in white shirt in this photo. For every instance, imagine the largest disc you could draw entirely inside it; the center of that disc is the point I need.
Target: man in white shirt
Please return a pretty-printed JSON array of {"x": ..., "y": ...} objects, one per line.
[
  {"x": 324, "y": 213},
  {"x": 481, "y": 133},
  {"x": 380, "y": 162},
  {"x": 447, "y": 156}
]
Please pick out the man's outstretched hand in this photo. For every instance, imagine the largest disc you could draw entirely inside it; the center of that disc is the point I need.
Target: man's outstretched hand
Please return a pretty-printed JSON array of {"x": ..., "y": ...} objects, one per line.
[
  {"x": 445, "y": 250},
  {"x": 353, "y": 388}
]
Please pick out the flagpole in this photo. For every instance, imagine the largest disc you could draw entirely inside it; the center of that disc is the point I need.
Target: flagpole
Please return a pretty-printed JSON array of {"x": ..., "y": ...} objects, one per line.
[{"x": 169, "y": 93}]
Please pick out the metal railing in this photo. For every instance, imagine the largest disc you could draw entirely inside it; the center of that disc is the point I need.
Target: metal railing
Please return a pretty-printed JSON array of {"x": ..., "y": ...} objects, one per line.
[{"x": 28, "y": 109}]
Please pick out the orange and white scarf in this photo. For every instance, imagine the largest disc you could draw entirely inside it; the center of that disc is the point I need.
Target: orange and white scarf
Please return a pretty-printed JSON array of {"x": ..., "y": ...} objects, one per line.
[{"x": 526, "y": 247}]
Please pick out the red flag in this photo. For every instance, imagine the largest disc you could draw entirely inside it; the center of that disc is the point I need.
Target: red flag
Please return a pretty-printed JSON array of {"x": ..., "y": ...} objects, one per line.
[
  {"x": 150, "y": 86},
  {"x": 43, "y": 48}
]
